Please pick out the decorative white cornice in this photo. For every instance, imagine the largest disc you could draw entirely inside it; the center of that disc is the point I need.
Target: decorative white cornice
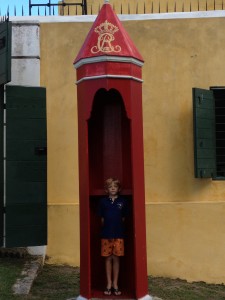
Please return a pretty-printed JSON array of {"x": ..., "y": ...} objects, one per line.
[
  {"x": 109, "y": 76},
  {"x": 132, "y": 17},
  {"x": 105, "y": 58}
]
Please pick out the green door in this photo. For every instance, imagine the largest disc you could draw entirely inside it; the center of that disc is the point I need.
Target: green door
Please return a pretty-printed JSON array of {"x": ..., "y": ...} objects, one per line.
[
  {"x": 26, "y": 166},
  {"x": 1, "y": 165},
  {"x": 5, "y": 76}
]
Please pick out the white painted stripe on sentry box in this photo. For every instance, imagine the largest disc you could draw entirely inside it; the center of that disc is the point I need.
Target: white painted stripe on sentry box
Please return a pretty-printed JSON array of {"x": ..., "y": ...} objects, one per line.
[{"x": 109, "y": 76}]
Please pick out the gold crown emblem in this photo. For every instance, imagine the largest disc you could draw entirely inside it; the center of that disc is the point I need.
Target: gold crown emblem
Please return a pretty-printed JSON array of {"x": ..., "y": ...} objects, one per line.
[{"x": 106, "y": 27}]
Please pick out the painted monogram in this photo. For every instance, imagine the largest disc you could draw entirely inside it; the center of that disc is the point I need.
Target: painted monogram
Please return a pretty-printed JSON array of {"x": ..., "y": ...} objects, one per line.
[{"x": 106, "y": 37}]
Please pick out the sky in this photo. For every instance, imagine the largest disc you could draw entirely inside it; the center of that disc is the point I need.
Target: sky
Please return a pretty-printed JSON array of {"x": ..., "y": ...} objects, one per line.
[{"x": 4, "y": 4}]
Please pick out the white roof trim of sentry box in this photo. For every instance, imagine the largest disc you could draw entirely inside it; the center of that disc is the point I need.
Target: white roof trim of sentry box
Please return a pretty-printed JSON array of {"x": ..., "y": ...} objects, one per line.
[{"x": 136, "y": 17}]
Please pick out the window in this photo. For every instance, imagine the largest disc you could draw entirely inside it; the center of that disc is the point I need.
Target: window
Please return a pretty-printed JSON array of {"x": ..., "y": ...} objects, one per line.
[{"x": 209, "y": 132}]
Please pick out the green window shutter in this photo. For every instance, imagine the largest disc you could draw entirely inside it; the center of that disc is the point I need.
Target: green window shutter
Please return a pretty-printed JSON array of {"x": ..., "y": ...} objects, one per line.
[
  {"x": 204, "y": 133},
  {"x": 5, "y": 51},
  {"x": 26, "y": 166}
]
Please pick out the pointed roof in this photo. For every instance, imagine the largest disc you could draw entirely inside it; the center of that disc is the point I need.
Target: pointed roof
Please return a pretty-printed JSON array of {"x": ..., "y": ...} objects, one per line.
[{"x": 107, "y": 37}]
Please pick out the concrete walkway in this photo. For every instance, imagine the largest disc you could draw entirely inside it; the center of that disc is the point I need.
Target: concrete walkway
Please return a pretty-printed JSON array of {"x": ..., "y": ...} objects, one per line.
[{"x": 23, "y": 285}]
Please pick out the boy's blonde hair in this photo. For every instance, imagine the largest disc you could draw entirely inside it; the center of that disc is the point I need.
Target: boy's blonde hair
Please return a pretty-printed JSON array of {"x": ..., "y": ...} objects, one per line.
[{"x": 111, "y": 180}]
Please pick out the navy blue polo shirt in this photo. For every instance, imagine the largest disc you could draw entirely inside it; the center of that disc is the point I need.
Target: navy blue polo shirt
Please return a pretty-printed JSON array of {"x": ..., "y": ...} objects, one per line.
[{"x": 113, "y": 213}]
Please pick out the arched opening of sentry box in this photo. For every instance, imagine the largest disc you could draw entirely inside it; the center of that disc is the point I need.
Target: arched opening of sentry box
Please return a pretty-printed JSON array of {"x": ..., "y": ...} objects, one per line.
[
  {"x": 109, "y": 141},
  {"x": 109, "y": 148}
]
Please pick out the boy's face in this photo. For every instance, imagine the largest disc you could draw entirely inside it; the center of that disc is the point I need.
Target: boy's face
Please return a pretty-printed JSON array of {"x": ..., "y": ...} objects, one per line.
[{"x": 113, "y": 189}]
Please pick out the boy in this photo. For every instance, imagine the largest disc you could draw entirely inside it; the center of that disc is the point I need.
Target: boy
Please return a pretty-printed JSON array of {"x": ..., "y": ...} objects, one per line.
[{"x": 112, "y": 212}]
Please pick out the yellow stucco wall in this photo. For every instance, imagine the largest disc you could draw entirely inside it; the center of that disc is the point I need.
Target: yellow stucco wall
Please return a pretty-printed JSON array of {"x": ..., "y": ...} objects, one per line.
[
  {"x": 185, "y": 216},
  {"x": 186, "y": 240},
  {"x": 58, "y": 51}
]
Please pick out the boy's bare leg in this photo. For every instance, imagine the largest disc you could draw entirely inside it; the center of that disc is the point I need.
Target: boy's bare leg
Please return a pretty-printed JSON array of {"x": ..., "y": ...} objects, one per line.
[
  {"x": 108, "y": 267},
  {"x": 116, "y": 269}
]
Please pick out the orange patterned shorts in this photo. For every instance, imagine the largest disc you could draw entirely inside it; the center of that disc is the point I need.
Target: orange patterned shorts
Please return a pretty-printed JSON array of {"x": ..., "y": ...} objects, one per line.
[{"x": 112, "y": 246}]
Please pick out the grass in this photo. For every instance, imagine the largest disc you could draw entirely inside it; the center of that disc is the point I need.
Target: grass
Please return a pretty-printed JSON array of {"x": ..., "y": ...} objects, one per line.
[
  {"x": 10, "y": 269},
  {"x": 52, "y": 282},
  {"x": 56, "y": 282},
  {"x": 62, "y": 282},
  {"x": 177, "y": 289}
]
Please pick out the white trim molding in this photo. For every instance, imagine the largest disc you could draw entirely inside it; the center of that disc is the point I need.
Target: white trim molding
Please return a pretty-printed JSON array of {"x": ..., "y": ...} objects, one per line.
[
  {"x": 109, "y": 76},
  {"x": 105, "y": 58}
]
